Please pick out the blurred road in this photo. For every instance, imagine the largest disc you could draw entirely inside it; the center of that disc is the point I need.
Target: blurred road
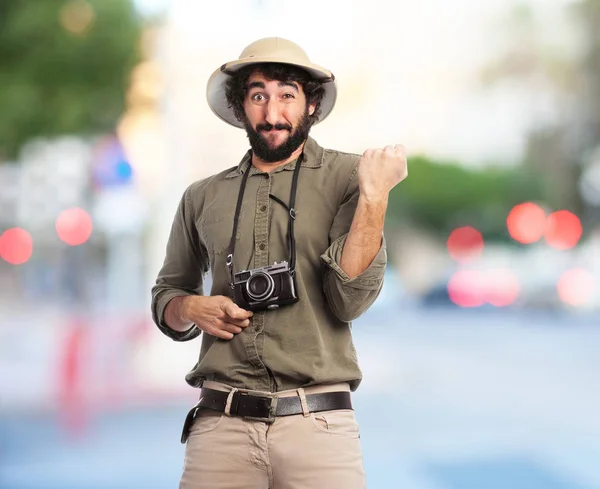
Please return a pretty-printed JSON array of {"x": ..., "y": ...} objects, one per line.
[{"x": 451, "y": 399}]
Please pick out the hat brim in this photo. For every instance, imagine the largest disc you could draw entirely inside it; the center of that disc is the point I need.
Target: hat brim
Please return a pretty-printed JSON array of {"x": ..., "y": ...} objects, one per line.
[{"x": 217, "y": 100}]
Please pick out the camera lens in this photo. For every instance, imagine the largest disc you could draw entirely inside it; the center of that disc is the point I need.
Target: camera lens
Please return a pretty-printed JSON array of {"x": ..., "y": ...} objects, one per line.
[{"x": 260, "y": 286}]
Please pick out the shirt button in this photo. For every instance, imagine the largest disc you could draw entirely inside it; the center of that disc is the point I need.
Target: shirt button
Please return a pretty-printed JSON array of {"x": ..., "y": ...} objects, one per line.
[
  {"x": 263, "y": 208},
  {"x": 261, "y": 246}
]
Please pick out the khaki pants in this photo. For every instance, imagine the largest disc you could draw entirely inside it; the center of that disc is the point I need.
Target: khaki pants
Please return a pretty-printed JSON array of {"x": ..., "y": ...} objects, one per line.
[{"x": 304, "y": 451}]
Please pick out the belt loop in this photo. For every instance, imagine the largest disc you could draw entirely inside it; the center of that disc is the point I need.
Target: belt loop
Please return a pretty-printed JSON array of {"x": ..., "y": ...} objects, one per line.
[
  {"x": 303, "y": 402},
  {"x": 229, "y": 401}
]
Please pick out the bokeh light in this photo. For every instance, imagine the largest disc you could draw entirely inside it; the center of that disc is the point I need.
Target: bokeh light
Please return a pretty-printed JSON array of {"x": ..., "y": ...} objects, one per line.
[
  {"x": 77, "y": 16},
  {"x": 563, "y": 230},
  {"x": 465, "y": 244},
  {"x": 502, "y": 287},
  {"x": 16, "y": 246},
  {"x": 473, "y": 288},
  {"x": 576, "y": 286},
  {"x": 526, "y": 222},
  {"x": 111, "y": 167},
  {"x": 74, "y": 226},
  {"x": 465, "y": 288}
]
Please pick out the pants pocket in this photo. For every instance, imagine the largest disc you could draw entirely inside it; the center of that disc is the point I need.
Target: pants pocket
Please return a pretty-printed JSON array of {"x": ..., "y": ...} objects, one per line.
[
  {"x": 200, "y": 421},
  {"x": 341, "y": 422}
]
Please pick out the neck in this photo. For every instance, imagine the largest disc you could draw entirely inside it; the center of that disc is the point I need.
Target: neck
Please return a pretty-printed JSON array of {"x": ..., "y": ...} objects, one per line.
[{"x": 269, "y": 167}]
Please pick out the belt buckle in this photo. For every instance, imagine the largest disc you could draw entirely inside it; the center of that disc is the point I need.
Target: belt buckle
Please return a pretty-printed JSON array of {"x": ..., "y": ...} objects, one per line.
[{"x": 272, "y": 407}]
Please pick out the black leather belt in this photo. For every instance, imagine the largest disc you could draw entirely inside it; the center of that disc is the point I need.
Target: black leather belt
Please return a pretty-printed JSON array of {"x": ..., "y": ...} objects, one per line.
[{"x": 265, "y": 408}]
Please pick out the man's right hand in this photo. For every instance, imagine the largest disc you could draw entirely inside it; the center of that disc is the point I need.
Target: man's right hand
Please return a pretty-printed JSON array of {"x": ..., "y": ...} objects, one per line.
[{"x": 215, "y": 315}]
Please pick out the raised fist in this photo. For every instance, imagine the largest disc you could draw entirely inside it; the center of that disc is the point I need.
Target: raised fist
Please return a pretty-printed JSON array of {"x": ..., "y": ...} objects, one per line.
[{"x": 380, "y": 170}]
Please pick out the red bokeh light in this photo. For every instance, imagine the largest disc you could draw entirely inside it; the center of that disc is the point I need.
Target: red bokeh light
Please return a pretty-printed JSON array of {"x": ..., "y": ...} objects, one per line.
[
  {"x": 465, "y": 288},
  {"x": 465, "y": 244},
  {"x": 16, "y": 246},
  {"x": 526, "y": 222},
  {"x": 502, "y": 287},
  {"x": 563, "y": 230},
  {"x": 74, "y": 226},
  {"x": 474, "y": 288},
  {"x": 576, "y": 286}
]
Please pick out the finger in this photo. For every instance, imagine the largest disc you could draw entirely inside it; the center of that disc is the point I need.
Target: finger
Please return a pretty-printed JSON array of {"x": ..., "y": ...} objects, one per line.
[
  {"x": 399, "y": 149},
  {"x": 231, "y": 328},
  {"x": 234, "y": 311},
  {"x": 242, "y": 323}
]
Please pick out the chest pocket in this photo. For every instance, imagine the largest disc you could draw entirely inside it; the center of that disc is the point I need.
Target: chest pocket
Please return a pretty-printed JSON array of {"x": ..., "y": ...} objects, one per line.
[{"x": 216, "y": 225}]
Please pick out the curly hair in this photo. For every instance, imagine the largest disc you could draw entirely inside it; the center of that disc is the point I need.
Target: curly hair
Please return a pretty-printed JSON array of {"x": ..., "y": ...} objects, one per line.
[{"x": 236, "y": 86}]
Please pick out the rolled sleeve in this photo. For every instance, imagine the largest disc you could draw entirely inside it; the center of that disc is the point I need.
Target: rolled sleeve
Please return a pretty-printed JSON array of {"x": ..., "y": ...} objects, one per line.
[
  {"x": 160, "y": 301},
  {"x": 351, "y": 297},
  {"x": 183, "y": 269}
]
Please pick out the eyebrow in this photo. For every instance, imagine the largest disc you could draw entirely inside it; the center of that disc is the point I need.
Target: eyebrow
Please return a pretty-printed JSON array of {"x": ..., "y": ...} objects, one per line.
[{"x": 259, "y": 84}]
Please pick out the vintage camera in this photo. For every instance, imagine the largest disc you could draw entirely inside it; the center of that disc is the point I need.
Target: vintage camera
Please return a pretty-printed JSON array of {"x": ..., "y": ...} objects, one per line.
[{"x": 265, "y": 288}]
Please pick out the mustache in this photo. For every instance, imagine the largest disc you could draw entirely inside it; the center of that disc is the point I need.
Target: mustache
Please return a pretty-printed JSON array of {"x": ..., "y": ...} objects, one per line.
[{"x": 269, "y": 127}]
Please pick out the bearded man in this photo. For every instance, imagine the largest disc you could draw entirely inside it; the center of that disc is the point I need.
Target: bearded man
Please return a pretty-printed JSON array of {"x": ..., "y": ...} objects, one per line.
[{"x": 293, "y": 239}]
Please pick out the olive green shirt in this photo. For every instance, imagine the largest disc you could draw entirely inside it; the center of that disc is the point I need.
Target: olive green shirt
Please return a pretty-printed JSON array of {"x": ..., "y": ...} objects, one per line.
[{"x": 305, "y": 343}]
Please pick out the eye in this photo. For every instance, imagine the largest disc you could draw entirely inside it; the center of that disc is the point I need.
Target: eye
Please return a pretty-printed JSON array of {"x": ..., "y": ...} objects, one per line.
[
  {"x": 258, "y": 97},
  {"x": 288, "y": 95}
]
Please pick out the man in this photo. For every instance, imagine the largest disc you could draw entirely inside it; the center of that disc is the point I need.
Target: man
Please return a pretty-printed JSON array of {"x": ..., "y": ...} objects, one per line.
[{"x": 293, "y": 238}]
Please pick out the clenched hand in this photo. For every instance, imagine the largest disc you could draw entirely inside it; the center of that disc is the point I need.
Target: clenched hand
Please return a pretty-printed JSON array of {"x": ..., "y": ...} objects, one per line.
[
  {"x": 380, "y": 170},
  {"x": 216, "y": 315}
]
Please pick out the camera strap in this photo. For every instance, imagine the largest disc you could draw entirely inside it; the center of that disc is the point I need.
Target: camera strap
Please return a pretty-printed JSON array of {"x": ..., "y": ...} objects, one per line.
[{"x": 291, "y": 213}]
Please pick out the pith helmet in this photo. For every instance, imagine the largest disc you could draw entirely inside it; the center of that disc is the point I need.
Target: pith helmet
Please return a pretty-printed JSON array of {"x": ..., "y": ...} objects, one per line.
[{"x": 267, "y": 50}]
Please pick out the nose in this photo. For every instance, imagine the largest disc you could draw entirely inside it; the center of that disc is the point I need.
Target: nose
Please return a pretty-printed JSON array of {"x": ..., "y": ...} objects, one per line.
[{"x": 273, "y": 111}]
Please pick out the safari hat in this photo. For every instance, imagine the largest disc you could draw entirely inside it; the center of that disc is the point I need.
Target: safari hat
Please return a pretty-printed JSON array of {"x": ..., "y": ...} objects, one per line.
[{"x": 267, "y": 50}]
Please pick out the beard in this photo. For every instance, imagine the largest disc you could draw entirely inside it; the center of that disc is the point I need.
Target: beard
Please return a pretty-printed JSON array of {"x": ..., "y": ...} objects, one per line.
[{"x": 260, "y": 145}]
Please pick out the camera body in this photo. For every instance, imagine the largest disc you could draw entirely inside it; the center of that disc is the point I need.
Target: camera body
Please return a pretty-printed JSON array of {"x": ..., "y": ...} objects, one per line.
[{"x": 265, "y": 288}]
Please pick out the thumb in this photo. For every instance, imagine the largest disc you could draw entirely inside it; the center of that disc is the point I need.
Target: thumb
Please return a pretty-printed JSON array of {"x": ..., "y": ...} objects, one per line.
[{"x": 233, "y": 310}]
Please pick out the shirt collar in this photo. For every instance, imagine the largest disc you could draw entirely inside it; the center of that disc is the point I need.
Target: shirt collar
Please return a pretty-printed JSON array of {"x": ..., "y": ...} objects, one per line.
[{"x": 313, "y": 158}]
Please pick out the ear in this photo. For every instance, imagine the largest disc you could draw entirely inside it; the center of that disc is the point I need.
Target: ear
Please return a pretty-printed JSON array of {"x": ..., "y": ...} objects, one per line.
[{"x": 311, "y": 109}]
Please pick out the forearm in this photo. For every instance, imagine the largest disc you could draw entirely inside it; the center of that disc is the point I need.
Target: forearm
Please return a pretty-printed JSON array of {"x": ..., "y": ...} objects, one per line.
[
  {"x": 365, "y": 235},
  {"x": 175, "y": 315}
]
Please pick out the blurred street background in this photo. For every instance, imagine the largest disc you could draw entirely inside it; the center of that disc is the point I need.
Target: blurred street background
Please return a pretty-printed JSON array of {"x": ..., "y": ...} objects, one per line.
[{"x": 480, "y": 357}]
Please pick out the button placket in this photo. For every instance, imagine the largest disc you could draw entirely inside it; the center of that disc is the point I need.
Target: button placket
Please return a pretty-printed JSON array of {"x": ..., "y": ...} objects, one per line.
[
  {"x": 253, "y": 341},
  {"x": 261, "y": 224}
]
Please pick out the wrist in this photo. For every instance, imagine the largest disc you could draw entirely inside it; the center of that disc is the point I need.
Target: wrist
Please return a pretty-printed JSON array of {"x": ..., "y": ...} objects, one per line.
[
  {"x": 183, "y": 308},
  {"x": 374, "y": 199}
]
